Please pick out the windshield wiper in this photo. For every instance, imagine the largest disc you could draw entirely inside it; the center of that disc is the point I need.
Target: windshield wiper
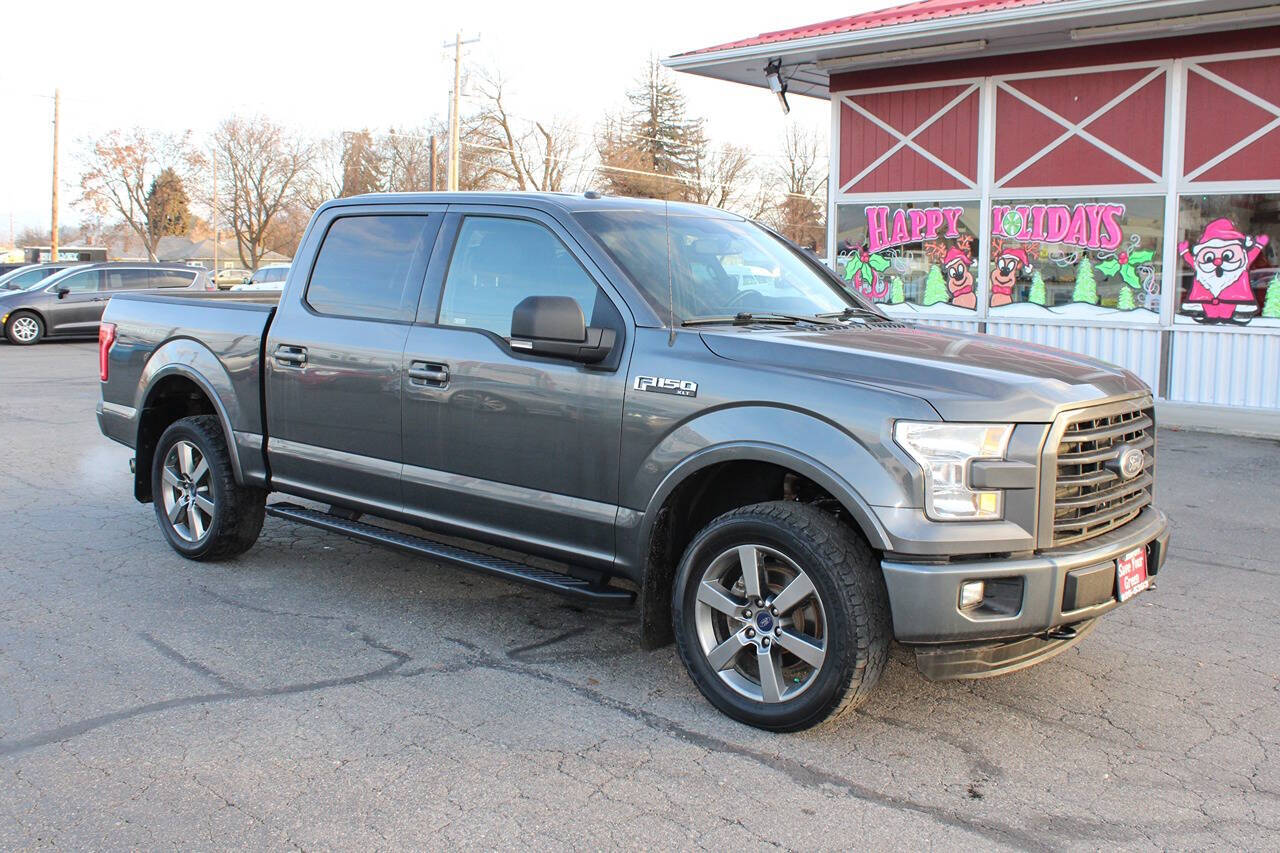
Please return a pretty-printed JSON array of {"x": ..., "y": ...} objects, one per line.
[
  {"x": 852, "y": 311},
  {"x": 745, "y": 318}
]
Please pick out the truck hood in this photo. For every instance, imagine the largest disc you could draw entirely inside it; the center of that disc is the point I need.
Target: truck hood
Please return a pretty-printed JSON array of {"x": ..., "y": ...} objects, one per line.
[{"x": 966, "y": 377}]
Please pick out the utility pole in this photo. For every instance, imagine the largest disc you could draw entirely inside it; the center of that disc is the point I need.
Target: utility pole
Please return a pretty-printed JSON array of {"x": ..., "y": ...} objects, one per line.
[
  {"x": 432, "y": 170},
  {"x": 53, "y": 244},
  {"x": 217, "y": 231},
  {"x": 453, "y": 108}
]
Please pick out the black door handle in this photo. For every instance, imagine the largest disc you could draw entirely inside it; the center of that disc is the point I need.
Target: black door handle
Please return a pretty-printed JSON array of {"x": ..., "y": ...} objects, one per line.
[
  {"x": 290, "y": 356},
  {"x": 429, "y": 373}
]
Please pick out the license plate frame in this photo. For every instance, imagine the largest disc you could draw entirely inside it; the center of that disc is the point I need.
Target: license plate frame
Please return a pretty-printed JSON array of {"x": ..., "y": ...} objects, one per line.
[{"x": 1132, "y": 576}]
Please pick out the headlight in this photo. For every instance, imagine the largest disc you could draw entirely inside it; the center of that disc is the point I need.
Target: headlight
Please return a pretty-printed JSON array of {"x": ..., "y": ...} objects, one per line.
[{"x": 944, "y": 451}]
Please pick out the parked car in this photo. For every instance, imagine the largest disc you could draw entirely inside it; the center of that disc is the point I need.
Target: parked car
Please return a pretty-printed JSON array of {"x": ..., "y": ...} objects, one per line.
[
  {"x": 788, "y": 481},
  {"x": 228, "y": 278},
  {"x": 70, "y": 303},
  {"x": 32, "y": 274},
  {"x": 270, "y": 277}
]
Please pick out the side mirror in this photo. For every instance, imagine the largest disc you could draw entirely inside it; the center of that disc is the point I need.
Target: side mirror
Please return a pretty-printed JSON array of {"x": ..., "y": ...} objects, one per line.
[
  {"x": 62, "y": 292},
  {"x": 553, "y": 326}
]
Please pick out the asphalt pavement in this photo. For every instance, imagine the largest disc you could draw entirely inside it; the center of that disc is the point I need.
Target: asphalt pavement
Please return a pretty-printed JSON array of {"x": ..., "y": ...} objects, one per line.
[{"x": 319, "y": 693}]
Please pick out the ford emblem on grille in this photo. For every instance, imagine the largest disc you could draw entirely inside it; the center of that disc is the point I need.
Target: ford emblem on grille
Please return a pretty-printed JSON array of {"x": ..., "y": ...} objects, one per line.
[{"x": 1127, "y": 463}]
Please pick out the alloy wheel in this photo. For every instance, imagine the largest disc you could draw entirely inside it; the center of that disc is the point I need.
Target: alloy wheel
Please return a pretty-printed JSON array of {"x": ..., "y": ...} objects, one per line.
[
  {"x": 760, "y": 623},
  {"x": 25, "y": 329},
  {"x": 188, "y": 491}
]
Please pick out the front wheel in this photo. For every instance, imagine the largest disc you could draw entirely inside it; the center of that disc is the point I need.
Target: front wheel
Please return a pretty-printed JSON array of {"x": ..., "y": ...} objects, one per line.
[
  {"x": 781, "y": 616},
  {"x": 24, "y": 329},
  {"x": 203, "y": 513}
]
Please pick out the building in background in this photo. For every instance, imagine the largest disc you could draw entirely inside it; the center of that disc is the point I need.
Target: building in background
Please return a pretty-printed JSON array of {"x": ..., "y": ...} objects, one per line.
[{"x": 1098, "y": 176}]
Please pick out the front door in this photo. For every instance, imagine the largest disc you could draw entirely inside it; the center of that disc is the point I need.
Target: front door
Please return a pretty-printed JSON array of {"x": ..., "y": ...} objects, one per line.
[
  {"x": 78, "y": 311},
  {"x": 333, "y": 356},
  {"x": 514, "y": 448}
]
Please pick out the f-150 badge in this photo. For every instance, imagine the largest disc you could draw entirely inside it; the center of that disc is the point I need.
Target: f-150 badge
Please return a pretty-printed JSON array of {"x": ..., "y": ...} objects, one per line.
[{"x": 662, "y": 385}]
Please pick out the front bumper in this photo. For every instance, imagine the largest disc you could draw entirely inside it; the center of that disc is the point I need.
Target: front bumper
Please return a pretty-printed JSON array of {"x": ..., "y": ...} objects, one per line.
[{"x": 1040, "y": 592}]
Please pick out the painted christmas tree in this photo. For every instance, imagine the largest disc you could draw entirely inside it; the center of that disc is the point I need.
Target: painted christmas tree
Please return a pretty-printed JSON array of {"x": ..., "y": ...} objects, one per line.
[
  {"x": 1037, "y": 295},
  {"x": 895, "y": 291},
  {"x": 1124, "y": 301},
  {"x": 1086, "y": 285},
  {"x": 1271, "y": 305},
  {"x": 935, "y": 287}
]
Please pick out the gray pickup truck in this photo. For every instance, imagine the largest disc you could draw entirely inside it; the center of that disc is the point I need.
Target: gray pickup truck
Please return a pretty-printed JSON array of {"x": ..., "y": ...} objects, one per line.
[{"x": 580, "y": 393}]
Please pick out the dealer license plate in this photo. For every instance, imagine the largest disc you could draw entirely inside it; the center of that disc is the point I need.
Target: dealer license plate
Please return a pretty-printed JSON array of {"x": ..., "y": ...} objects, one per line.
[{"x": 1131, "y": 573}]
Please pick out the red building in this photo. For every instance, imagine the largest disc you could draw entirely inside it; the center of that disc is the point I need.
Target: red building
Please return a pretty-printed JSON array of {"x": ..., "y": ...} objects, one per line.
[{"x": 1098, "y": 176}]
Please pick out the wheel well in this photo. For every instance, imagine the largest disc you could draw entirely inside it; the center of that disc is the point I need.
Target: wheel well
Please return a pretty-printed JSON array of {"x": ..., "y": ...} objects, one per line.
[
  {"x": 701, "y": 497},
  {"x": 33, "y": 311},
  {"x": 172, "y": 398}
]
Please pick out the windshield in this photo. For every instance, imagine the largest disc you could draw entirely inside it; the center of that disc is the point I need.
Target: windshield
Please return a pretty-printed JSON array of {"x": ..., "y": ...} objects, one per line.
[{"x": 719, "y": 267}]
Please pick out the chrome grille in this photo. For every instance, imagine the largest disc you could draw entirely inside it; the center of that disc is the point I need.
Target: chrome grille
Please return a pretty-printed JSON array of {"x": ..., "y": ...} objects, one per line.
[{"x": 1089, "y": 497}]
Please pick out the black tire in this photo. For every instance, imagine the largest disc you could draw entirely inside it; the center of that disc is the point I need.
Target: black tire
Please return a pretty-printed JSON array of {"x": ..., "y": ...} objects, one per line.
[
  {"x": 852, "y": 600},
  {"x": 237, "y": 511},
  {"x": 20, "y": 337}
]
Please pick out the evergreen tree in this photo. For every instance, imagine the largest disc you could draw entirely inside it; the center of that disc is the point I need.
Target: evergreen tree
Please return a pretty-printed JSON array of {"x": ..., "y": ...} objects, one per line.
[
  {"x": 935, "y": 287},
  {"x": 1124, "y": 301},
  {"x": 1037, "y": 296},
  {"x": 896, "y": 297},
  {"x": 167, "y": 211},
  {"x": 654, "y": 136},
  {"x": 1086, "y": 285},
  {"x": 361, "y": 164},
  {"x": 1271, "y": 305}
]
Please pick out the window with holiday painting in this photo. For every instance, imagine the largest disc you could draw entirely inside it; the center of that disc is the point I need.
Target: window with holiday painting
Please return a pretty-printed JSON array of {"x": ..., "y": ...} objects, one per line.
[
  {"x": 911, "y": 257},
  {"x": 1229, "y": 268},
  {"x": 1096, "y": 258}
]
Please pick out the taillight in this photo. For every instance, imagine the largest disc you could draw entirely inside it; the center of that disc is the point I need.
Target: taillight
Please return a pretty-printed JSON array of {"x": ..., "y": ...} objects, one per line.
[{"x": 106, "y": 337}]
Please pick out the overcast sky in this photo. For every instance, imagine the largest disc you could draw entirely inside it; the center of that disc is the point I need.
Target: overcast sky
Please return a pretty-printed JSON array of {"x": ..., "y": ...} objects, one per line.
[{"x": 322, "y": 67}]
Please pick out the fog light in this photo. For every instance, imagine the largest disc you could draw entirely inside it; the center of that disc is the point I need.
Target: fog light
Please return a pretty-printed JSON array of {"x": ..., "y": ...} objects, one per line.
[{"x": 972, "y": 593}]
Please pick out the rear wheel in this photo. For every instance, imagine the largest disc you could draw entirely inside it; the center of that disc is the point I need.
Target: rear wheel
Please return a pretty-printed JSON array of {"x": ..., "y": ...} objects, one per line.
[
  {"x": 203, "y": 512},
  {"x": 24, "y": 328},
  {"x": 781, "y": 616}
]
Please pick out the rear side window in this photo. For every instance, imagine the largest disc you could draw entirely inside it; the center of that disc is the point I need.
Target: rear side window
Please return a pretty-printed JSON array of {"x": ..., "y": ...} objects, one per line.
[
  {"x": 125, "y": 279},
  {"x": 170, "y": 278},
  {"x": 497, "y": 262},
  {"x": 371, "y": 267}
]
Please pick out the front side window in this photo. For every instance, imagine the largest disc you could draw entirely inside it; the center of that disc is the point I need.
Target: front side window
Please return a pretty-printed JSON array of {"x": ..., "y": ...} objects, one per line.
[
  {"x": 498, "y": 262},
  {"x": 703, "y": 267},
  {"x": 914, "y": 256},
  {"x": 371, "y": 267},
  {"x": 1098, "y": 258},
  {"x": 1229, "y": 261},
  {"x": 79, "y": 282}
]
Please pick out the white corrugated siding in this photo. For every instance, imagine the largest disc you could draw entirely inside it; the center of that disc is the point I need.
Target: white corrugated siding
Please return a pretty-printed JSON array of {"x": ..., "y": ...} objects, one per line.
[
  {"x": 956, "y": 325},
  {"x": 1225, "y": 369},
  {"x": 1135, "y": 349}
]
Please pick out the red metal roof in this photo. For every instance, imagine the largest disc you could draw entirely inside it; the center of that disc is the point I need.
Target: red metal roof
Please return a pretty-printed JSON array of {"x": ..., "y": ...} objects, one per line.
[{"x": 922, "y": 10}]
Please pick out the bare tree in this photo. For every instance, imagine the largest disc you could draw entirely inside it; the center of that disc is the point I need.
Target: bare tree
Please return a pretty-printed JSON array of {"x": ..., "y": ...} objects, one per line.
[
  {"x": 529, "y": 156},
  {"x": 406, "y": 159},
  {"x": 265, "y": 168},
  {"x": 799, "y": 183},
  {"x": 120, "y": 168},
  {"x": 721, "y": 177}
]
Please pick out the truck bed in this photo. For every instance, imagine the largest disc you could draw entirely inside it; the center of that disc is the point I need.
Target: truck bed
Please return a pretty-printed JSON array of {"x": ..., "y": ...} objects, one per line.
[{"x": 218, "y": 334}]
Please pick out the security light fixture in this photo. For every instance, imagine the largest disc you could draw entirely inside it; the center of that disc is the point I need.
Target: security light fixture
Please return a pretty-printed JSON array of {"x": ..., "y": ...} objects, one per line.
[{"x": 773, "y": 75}]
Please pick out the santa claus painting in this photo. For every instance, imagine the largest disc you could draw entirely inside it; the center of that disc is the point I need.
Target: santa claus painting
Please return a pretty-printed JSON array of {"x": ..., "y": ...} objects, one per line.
[
  {"x": 958, "y": 267},
  {"x": 1220, "y": 292}
]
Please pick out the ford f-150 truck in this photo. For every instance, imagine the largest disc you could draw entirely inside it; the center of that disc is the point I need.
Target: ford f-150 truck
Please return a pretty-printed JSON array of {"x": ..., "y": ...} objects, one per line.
[{"x": 583, "y": 394}]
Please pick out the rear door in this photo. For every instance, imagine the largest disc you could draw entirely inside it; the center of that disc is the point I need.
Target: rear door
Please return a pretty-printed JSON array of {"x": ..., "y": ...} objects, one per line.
[
  {"x": 80, "y": 308},
  {"x": 334, "y": 351}
]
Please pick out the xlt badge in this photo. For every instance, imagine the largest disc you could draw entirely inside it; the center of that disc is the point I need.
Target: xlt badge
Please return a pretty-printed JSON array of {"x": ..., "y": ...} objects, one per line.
[{"x": 662, "y": 385}]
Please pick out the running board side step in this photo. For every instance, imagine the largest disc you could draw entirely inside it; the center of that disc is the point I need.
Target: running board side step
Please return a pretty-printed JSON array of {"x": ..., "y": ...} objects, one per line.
[{"x": 599, "y": 593}]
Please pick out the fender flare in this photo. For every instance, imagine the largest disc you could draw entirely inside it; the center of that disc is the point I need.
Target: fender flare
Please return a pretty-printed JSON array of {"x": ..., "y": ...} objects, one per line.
[{"x": 171, "y": 368}]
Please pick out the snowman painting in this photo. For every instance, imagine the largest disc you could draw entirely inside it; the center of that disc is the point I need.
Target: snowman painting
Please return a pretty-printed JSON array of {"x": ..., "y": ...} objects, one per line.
[{"x": 1220, "y": 292}]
